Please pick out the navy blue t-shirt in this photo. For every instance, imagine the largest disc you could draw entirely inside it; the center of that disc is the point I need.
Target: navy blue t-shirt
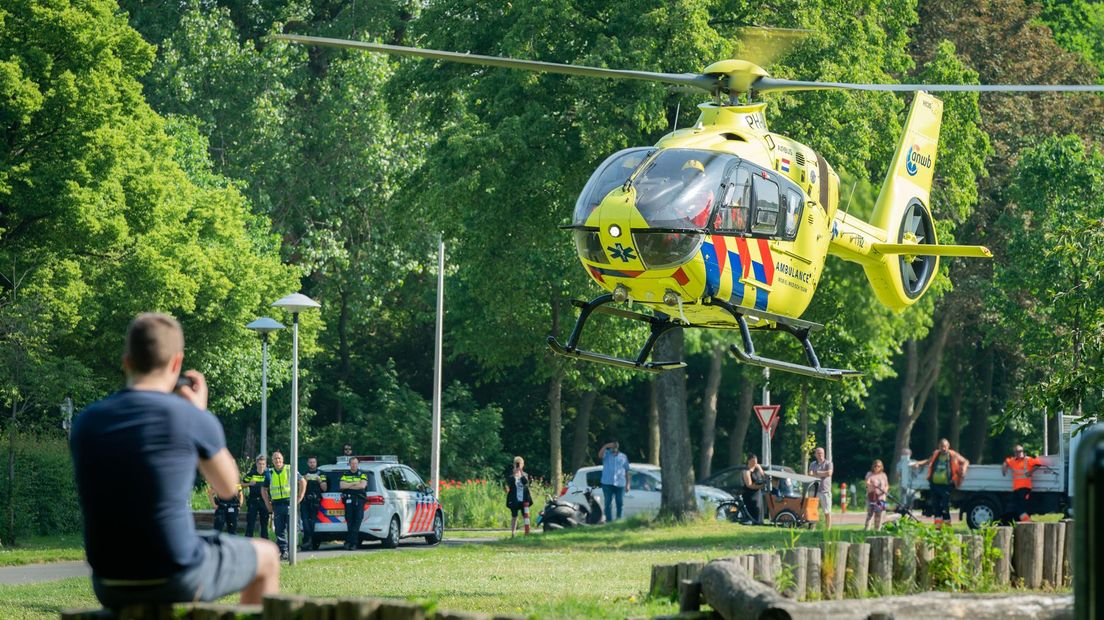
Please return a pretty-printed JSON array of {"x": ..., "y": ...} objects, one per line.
[{"x": 135, "y": 454}]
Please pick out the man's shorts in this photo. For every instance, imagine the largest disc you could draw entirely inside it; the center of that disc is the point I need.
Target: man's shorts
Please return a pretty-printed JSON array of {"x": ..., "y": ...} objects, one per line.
[
  {"x": 825, "y": 497},
  {"x": 229, "y": 564}
]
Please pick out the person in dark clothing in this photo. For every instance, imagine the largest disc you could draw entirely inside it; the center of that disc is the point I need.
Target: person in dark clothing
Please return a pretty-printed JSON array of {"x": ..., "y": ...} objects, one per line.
[
  {"x": 159, "y": 439},
  {"x": 518, "y": 499},
  {"x": 226, "y": 511},
  {"x": 754, "y": 481},
  {"x": 354, "y": 484},
  {"x": 256, "y": 512},
  {"x": 312, "y": 501}
]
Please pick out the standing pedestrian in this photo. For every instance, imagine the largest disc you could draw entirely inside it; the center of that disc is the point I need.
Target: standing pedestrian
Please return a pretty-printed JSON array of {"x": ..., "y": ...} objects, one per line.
[
  {"x": 821, "y": 468},
  {"x": 146, "y": 443},
  {"x": 226, "y": 510},
  {"x": 256, "y": 511},
  {"x": 877, "y": 487},
  {"x": 518, "y": 499},
  {"x": 754, "y": 481},
  {"x": 312, "y": 501},
  {"x": 1022, "y": 467},
  {"x": 277, "y": 495},
  {"x": 354, "y": 485},
  {"x": 946, "y": 469},
  {"x": 615, "y": 477}
]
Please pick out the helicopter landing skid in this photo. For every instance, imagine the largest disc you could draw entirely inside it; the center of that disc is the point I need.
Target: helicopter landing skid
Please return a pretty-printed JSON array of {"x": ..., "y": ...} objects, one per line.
[
  {"x": 799, "y": 330},
  {"x": 658, "y": 325}
]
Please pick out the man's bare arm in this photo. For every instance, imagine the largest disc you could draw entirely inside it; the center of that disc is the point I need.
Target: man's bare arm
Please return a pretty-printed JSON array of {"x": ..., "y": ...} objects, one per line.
[
  {"x": 302, "y": 489},
  {"x": 221, "y": 472}
]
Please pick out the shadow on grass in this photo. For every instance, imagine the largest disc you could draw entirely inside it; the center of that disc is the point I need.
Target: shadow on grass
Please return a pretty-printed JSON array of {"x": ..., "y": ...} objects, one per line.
[{"x": 642, "y": 533}]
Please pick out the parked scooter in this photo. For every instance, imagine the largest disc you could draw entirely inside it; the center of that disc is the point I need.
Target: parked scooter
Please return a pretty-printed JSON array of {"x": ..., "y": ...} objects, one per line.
[{"x": 559, "y": 514}]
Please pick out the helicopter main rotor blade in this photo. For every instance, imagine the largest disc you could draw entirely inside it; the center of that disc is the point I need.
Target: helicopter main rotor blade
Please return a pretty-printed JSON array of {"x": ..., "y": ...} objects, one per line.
[
  {"x": 695, "y": 80},
  {"x": 767, "y": 84}
]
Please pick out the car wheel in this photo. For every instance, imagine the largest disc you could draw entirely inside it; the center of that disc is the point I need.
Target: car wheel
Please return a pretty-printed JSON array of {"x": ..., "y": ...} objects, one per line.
[
  {"x": 392, "y": 539},
  {"x": 438, "y": 530},
  {"x": 980, "y": 511},
  {"x": 786, "y": 518}
]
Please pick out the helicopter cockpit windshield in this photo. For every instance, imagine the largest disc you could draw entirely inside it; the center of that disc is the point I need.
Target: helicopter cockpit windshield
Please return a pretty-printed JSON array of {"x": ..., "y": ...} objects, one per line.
[
  {"x": 611, "y": 174},
  {"x": 680, "y": 187}
]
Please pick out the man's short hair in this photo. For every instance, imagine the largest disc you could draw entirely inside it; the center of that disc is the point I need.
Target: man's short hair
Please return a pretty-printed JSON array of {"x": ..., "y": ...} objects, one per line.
[
  {"x": 151, "y": 341},
  {"x": 262, "y": 458},
  {"x": 275, "y": 452}
]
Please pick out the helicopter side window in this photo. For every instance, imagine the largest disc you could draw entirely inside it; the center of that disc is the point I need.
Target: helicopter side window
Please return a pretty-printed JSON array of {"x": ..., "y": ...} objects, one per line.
[
  {"x": 793, "y": 214},
  {"x": 611, "y": 174},
  {"x": 732, "y": 216},
  {"x": 765, "y": 216}
]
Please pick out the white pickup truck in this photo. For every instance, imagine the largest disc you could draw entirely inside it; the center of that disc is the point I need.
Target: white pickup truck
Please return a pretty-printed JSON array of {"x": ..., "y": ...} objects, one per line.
[{"x": 985, "y": 492}]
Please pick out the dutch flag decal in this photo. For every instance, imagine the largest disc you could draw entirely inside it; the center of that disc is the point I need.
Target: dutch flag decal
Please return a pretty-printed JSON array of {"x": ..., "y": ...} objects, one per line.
[{"x": 784, "y": 165}]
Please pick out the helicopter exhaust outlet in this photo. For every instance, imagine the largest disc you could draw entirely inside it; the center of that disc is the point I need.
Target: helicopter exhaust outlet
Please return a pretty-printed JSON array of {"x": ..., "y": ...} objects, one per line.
[{"x": 620, "y": 293}]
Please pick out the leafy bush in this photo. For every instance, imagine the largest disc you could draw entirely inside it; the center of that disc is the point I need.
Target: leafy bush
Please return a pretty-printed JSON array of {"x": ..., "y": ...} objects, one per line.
[
  {"x": 482, "y": 503},
  {"x": 45, "y": 493}
]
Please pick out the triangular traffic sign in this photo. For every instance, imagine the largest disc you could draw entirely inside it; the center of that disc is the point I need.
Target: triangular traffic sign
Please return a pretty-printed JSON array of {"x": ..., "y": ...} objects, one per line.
[{"x": 766, "y": 414}]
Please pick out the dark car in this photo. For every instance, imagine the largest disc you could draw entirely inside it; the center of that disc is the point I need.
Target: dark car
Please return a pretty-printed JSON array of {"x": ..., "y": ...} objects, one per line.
[{"x": 731, "y": 479}]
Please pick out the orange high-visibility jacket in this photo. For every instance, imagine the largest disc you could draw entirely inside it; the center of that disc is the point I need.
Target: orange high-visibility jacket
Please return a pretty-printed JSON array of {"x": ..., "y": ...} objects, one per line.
[
  {"x": 958, "y": 463},
  {"x": 1021, "y": 469}
]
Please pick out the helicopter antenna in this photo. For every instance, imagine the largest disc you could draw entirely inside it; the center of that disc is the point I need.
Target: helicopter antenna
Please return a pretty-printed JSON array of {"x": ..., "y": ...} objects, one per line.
[
  {"x": 678, "y": 107},
  {"x": 852, "y": 195}
]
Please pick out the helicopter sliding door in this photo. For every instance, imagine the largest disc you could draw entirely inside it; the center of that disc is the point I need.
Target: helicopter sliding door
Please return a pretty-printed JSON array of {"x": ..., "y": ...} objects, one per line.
[{"x": 758, "y": 203}]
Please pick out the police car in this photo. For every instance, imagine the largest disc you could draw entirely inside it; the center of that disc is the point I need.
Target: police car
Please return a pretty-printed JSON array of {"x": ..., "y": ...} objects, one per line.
[{"x": 399, "y": 504}]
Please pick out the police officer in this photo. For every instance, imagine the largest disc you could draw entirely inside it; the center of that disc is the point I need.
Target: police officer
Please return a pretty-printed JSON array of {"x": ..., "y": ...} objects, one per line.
[
  {"x": 353, "y": 493},
  {"x": 226, "y": 510},
  {"x": 312, "y": 501},
  {"x": 277, "y": 496},
  {"x": 255, "y": 505}
]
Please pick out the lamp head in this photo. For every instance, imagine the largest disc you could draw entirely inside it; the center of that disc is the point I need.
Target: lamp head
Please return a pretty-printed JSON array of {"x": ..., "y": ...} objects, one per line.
[
  {"x": 265, "y": 325},
  {"x": 296, "y": 302}
]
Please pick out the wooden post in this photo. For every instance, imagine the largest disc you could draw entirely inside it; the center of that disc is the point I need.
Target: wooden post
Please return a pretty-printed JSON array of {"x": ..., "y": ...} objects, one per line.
[
  {"x": 400, "y": 610},
  {"x": 458, "y": 615},
  {"x": 689, "y": 595},
  {"x": 87, "y": 614},
  {"x": 1067, "y": 553},
  {"x": 283, "y": 607},
  {"x": 972, "y": 549},
  {"x": 904, "y": 563},
  {"x": 1002, "y": 569},
  {"x": 664, "y": 581},
  {"x": 357, "y": 609},
  {"x": 764, "y": 568},
  {"x": 1054, "y": 541},
  {"x": 881, "y": 564},
  {"x": 812, "y": 574},
  {"x": 1028, "y": 555},
  {"x": 834, "y": 569},
  {"x": 858, "y": 565},
  {"x": 732, "y": 593},
  {"x": 924, "y": 556},
  {"x": 689, "y": 570},
  {"x": 320, "y": 609},
  {"x": 796, "y": 563}
]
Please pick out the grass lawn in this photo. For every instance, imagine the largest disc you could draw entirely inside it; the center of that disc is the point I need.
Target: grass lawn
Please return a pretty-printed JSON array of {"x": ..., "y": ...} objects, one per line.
[
  {"x": 597, "y": 572},
  {"x": 39, "y": 549}
]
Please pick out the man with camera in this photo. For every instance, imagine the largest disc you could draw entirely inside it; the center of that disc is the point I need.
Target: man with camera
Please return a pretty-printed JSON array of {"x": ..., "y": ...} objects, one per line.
[{"x": 157, "y": 439}]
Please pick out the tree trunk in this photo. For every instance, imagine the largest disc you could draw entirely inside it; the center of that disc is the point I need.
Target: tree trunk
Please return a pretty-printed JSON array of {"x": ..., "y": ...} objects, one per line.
[
  {"x": 979, "y": 419},
  {"x": 653, "y": 422},
  {"x": 345, "y": 364},
  {"x": 709, "y": 412},
  {"x": 803, "y": 416},
  {"x": 580, "y": 440},
  {"x": 738, "y": 440},
  {"x": 921, "y": 374},
  {"x": 675, "y": 459},
  {"x": 932, "y": 419},
  {"x": 957, "y": 392},
  {"x": 555, "y": 413}
]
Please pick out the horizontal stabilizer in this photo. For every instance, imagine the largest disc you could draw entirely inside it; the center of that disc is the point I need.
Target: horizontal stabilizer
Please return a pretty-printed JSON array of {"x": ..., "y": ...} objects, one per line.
[{"x": 932, "y": 249}]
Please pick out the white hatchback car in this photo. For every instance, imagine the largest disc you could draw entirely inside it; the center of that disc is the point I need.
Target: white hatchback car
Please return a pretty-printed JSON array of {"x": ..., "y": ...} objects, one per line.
[
  {"x": 644, "y": 490},
  {"x": 399, "y": 505}
]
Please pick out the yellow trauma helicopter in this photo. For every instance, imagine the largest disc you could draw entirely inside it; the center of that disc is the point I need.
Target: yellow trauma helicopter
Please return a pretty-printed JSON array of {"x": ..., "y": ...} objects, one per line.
[{"x": 725, "y": 224}]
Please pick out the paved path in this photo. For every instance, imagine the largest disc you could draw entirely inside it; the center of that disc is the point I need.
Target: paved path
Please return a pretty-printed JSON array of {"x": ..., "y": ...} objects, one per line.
[{"x": 54, "y": 571}]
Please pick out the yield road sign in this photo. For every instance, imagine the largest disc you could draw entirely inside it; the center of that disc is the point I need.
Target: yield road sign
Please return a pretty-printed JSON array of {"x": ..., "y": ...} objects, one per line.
[{"x": 766, "y": 414}]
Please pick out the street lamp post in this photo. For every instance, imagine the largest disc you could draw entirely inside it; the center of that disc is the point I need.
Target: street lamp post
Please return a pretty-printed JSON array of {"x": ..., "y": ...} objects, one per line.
[
  {"x": 294, "y": 303},
  {"x": 264, "y": 326}
]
